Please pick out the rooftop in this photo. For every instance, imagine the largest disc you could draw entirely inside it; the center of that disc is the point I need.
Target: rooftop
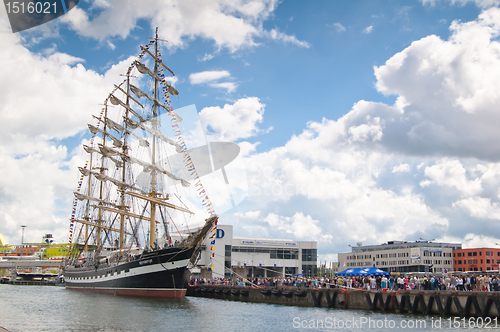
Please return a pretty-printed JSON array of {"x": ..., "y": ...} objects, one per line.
[{"x": 405, "y": 244}]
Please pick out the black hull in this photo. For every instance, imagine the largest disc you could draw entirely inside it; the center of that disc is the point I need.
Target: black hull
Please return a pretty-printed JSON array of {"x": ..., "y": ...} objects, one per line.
[{"x": 153, "y": 274}]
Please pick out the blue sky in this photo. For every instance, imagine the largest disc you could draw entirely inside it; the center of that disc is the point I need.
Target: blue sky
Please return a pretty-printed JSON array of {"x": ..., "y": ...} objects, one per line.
[{"x": 359, "y": 121}]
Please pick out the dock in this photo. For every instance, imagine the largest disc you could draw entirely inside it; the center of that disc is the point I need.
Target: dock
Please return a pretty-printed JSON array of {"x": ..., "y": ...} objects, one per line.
[
  {"x": 31, "y": 282},
  {"x": 444, "y": 303}
]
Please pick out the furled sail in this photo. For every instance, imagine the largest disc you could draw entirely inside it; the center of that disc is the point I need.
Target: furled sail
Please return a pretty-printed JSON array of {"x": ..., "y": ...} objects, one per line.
[
  {"x": 116, "y": 101},
  {"x": 139, "y": 93},
  {"x": 102, "y": 177},
  {"x": 94, "y": 130},
  {"x": 145, "y": 70},
  {"x": 128, "y": 95},
  {"x": 156, "y": 59},
  {"x": 134, "y": 124},
  {"x": 115, "y": 126},
  {"x": 90, "y": 149},
  {"x": 108, "y": 151},
  {"x": 84, "y": 171},
  {"x": 82, "y": 197}
]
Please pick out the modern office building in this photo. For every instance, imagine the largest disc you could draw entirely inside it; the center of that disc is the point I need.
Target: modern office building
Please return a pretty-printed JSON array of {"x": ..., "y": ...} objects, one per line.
[
  {"x": 402, "y": 256},
  {"x": 476, "y": 259},
  {"x": 243, "y": 257}
]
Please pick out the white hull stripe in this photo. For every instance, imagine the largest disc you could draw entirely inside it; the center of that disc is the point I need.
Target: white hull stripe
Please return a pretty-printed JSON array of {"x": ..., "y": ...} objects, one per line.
[{"x": 137, "y": 271}]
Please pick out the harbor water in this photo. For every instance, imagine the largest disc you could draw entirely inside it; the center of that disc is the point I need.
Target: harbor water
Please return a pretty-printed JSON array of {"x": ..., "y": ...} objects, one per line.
[{"x": 51, "y": 308}]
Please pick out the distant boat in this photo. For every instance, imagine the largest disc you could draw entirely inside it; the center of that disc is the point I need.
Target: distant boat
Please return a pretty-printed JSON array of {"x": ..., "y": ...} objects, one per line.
[{"x": 107, "y": 255}]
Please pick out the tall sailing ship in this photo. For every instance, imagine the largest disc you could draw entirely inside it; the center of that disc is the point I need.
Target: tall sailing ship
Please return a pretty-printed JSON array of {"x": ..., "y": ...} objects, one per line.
[{"x": 122, "y": 204}]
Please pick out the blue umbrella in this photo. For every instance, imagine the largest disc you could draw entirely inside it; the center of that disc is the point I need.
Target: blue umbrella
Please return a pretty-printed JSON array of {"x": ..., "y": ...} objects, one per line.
[
  {"x": 349, "y": 272},
  {"x": 373, "y": 271},
  {"x": 367, "y": 271}
]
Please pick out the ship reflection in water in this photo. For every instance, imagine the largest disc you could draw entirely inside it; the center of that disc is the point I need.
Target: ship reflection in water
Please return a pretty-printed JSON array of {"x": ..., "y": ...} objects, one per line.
[{"x": 49, "y": 308}]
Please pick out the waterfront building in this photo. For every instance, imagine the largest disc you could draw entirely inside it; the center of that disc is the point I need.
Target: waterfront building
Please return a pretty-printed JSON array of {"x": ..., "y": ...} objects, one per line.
[
  {"x": 243, "y": 257},
  {"x": 46, "y": 249},
  {"x": 402, "y": 257},
  {"x": 476, "y": 259},
  {"x": 5, "y": 248},
  {"x": 23, "y": 250}
]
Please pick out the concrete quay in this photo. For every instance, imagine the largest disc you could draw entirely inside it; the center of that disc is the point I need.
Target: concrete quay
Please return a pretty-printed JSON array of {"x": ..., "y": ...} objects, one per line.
[{"x": 444, "y": 303}]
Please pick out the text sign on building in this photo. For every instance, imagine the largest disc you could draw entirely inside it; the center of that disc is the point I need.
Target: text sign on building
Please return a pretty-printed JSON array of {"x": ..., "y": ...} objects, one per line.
[
  {"x": 415, "y": 256},
  {"x": 220, "y": 233},
  {"x": 432, "y": 250}
]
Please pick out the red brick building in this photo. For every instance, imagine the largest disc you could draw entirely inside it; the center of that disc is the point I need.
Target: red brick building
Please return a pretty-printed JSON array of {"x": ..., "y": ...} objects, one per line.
[{"x": 476, "y": 259}]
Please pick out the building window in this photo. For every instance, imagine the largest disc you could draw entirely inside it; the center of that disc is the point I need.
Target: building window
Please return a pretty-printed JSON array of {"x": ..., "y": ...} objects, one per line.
[
  {"x": 309, "y": 270},
  {"x": 309, "y": 255}
]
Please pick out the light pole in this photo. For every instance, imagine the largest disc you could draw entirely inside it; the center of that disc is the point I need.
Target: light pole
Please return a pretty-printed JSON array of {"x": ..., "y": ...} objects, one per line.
[
  {"x": 252, "y": 266},
  {"x": 22, "y": 238}
]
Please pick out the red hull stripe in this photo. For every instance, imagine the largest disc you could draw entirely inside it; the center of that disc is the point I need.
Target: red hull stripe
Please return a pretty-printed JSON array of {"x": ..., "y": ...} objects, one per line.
[{"x": 161, "y": 293}]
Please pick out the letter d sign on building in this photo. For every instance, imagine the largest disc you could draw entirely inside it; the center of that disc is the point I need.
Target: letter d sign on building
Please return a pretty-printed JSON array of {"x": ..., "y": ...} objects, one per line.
[{"x": 220, "y": 234}]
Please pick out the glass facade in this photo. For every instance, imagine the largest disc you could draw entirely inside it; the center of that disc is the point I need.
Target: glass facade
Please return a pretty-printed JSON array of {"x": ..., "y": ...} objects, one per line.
[
  {"x": 309, "y": 255},
  {"x": 227, "y": 262}
]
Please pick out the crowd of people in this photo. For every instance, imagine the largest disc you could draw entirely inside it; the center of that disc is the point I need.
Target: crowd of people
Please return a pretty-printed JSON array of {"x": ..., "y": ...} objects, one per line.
[{"x": 400, "y": 282}]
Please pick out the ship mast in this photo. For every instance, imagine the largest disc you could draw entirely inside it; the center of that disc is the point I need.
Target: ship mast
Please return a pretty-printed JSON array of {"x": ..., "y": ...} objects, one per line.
[
  {"x": 87, "y": 208},
  {"x": 101, "y": 170},
  {"x": 122, "y": 190},
  {"x": 152, "y": 225}
]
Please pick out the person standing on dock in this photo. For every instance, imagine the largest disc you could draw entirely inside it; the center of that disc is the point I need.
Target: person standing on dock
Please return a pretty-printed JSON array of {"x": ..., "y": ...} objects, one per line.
[
  {"x": 479, "y": 283},
  {"x": 383, "y": 283},
  {"x": 486, "y": 282},
  {"x": 447, "y": 283},
  {"x": 494, "y": 283},
  {"x": 400, "y": 283},
  {"x": 460, "y": 283},
  {"x": 373, "y": 283},
  {"x": 453, "y": 283}
]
